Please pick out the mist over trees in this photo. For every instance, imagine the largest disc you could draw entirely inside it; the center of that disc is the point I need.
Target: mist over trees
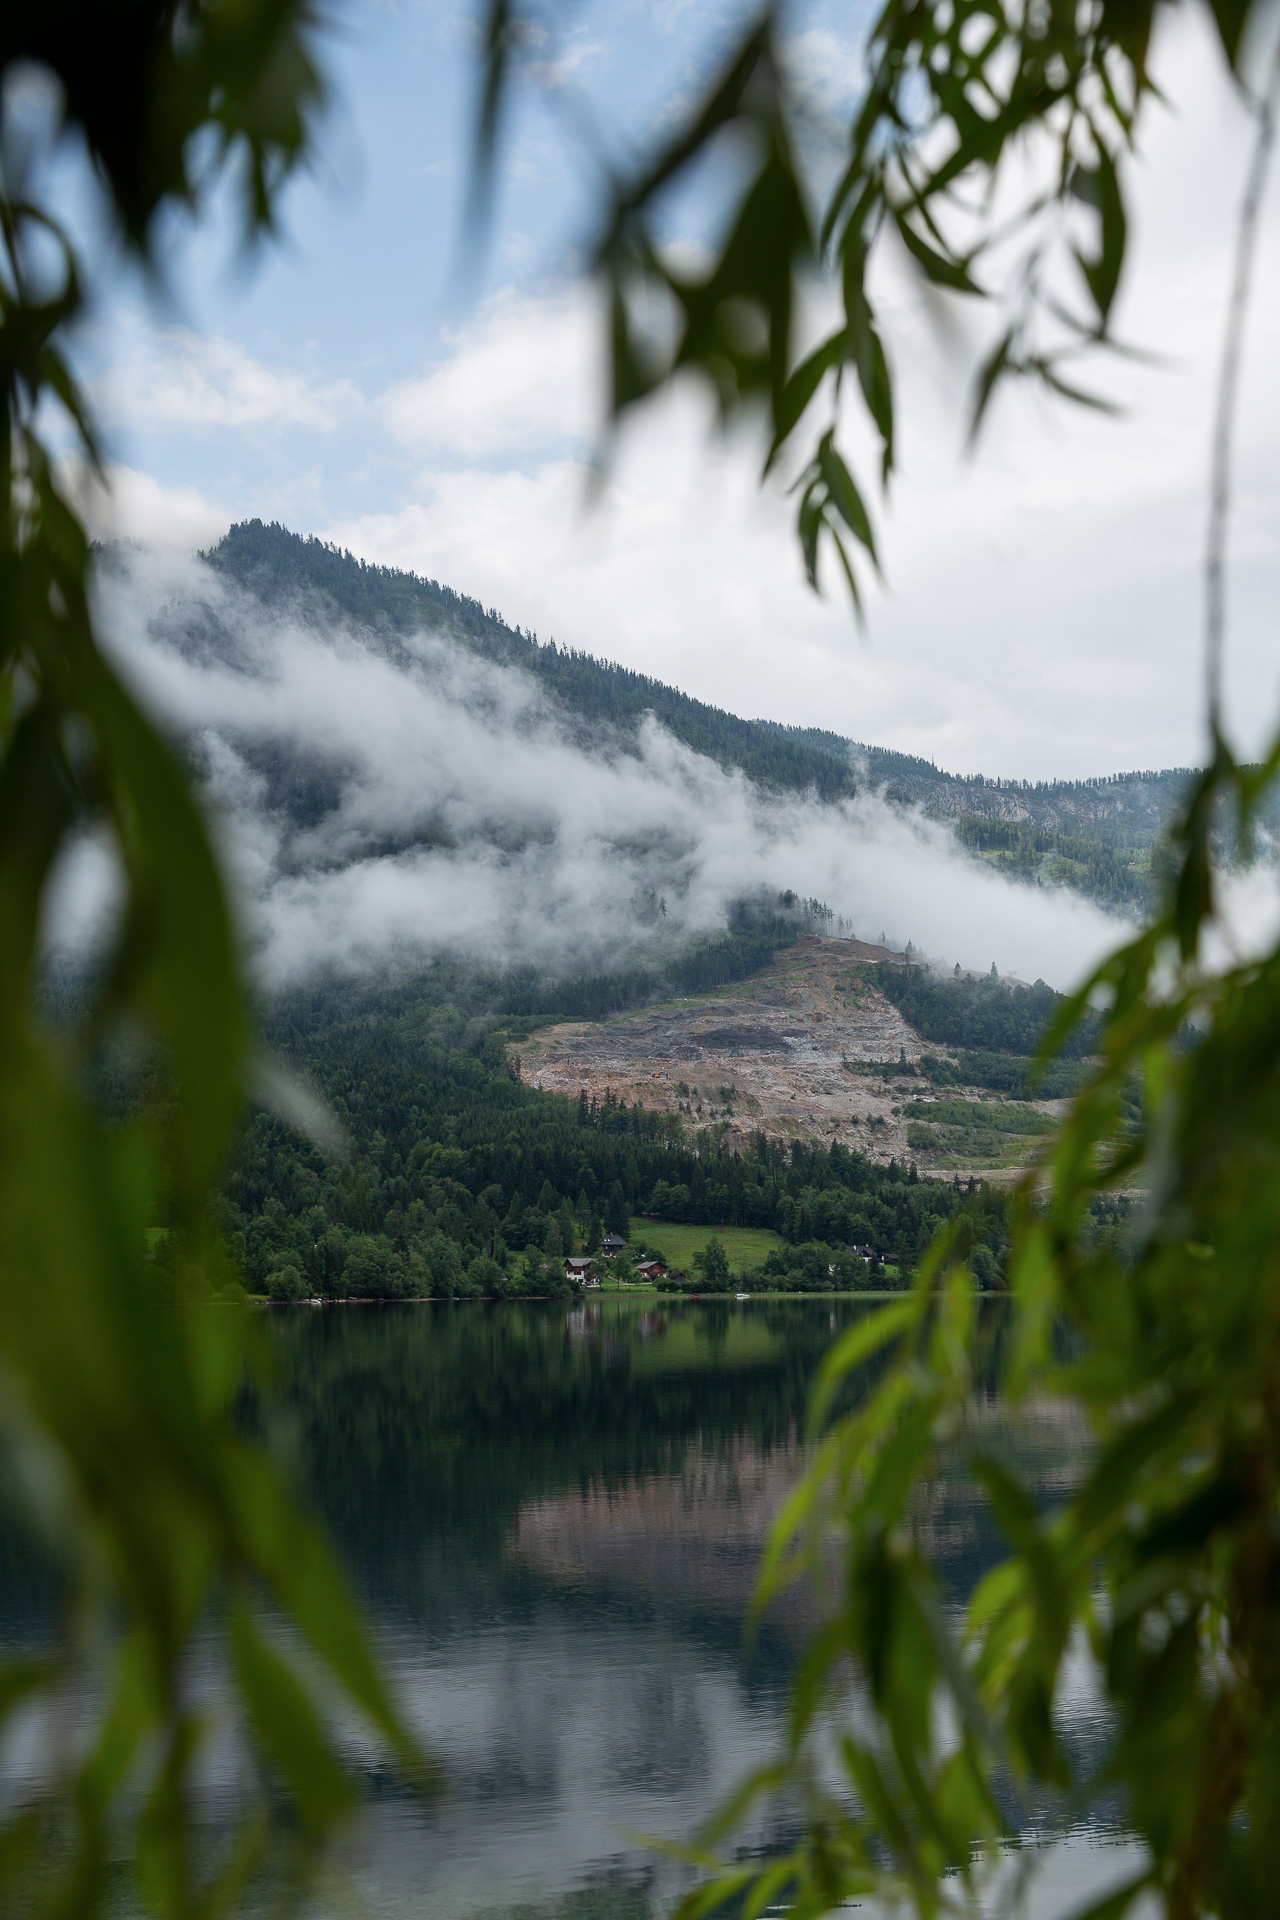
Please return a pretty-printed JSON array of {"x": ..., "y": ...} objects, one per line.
[{"x": 1093, "y": 836}]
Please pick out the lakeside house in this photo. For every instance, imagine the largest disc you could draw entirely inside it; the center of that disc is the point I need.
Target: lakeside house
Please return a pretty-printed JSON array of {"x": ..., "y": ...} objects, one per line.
[
  {"x": 578, "y": 1267},
  {"x": 613, "y": 1243},
  {"x": 651, "y": 1270}
]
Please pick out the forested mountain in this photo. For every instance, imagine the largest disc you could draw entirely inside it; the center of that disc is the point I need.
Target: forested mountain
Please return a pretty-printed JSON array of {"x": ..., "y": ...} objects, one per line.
[
  {"x": 1117, "y": 810},
  {"x": 276, "y": 564},
  {"x": 463, "y": 1181},
  {"x": 461, "y": 1177},
  {"x": 1096, "y": 836}
]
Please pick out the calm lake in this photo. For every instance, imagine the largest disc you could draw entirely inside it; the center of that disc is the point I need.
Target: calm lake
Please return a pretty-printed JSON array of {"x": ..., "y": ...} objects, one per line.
[{"x": 554, "y": 1514}]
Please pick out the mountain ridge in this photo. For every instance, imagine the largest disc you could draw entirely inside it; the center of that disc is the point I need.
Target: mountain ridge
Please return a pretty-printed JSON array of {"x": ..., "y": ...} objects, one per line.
[
  {"x": 1097, "y": 836},
  {"x": 271, "y": 559}
]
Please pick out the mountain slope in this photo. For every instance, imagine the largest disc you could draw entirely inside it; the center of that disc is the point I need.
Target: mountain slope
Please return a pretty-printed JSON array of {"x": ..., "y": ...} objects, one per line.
[
  {"x": 1096, "y": 836},
  {"x": 1119, "y": 809},
  {"x": 275, "y": 564}
]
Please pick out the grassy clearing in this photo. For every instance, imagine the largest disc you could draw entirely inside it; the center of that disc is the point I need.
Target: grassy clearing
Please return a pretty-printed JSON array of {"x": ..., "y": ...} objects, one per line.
[
  {"x": 971, "y": 1133},
  {"x": 745, "y": 1246}
]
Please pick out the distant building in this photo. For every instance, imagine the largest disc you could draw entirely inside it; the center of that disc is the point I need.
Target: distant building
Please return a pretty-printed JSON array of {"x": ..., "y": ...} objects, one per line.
[
  {"x": 863, "y": 1253},
  {"x": 651, "y": 1270},
  {"x": 613, "y": 1243},
  {"x": 578, "y": 1268}
]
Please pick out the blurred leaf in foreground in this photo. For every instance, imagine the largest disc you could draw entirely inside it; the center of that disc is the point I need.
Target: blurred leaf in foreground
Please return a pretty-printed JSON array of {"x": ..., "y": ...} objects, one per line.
[{"x": 120, "y": 1372}]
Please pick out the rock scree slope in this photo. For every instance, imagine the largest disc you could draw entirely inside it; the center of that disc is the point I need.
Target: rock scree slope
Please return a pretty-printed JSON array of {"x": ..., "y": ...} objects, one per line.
[{"x": 795, "y": 1051}]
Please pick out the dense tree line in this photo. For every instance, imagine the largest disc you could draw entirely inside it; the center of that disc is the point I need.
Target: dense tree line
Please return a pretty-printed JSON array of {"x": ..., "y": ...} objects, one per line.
[
  {"x": 448, "y": 991},
  {"x": 1118, "y": 877},
  {"x": 1124, "y": 811},
  {"x": 461, "y": 1180},
  {"x": 985, "y": 1014},
  {"x": 277, "y": 564}
]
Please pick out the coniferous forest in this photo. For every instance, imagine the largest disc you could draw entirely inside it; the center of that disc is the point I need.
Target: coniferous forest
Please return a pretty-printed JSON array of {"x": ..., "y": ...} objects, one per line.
[
  {"x": 461, "y": 1181},
  {"x": 1101, "y": 838}
]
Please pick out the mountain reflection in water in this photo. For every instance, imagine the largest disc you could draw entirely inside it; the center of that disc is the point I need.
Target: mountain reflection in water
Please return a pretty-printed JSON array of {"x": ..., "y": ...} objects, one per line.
[{"x": 554, "y": 1515}]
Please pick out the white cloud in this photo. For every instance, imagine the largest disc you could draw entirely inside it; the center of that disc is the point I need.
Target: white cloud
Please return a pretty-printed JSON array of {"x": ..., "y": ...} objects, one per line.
[
  {"x": 378, "y": 808},
  {"x": 134, "y": 506},
  {"x": 830, "y": 70},
  {"x": 1041, "y": 613},
  {"x": 555, "y": 66},
  {"x": 524, "y": 376},
  {"x": 174, "y": 378}
]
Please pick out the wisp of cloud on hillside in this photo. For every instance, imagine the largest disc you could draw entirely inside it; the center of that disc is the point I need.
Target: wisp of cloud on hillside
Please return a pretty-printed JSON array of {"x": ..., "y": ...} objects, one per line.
[{"x": 382, "y": 798}]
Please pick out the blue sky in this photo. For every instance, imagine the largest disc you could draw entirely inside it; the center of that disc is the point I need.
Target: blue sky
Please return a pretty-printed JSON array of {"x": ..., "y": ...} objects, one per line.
[
  {"x": 1041, "y": 612},
  {"x": 370, "y": 283}
]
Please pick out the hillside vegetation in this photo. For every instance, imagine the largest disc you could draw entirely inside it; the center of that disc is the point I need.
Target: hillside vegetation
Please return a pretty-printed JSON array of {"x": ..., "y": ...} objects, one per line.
[
  {"x": 1095, "y": 836},
  {"x": 461, "y": 1180},
  {"x": 994, "y": 1026},
  {"x": 984, "y": 1013},
  {"x": 276, "y": 564}
]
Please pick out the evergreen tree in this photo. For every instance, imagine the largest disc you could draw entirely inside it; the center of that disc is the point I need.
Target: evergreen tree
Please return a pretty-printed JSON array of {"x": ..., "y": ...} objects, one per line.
[
  {"x": 617, "y": 1216},
  {"x": 553, "y": 1244}
]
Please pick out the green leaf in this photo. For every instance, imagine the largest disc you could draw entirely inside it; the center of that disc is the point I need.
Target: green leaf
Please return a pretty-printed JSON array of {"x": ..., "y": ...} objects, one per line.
[
  {"x": 1231, "y": 17},
  {"x": 294, "y": 1561},
  {"x": 863, "y": 1339},
  {"x": 997, "y": 364},
  {"x": 844, "y": 495},
  {"x": 801, "y": 387},
  {"x": 1099, "y": 187},
  {"x": 943, "y": 270},
  {"x": 288, "y": 1729}
]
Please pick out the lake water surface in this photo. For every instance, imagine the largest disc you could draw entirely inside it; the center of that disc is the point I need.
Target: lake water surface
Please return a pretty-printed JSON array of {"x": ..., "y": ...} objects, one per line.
[{"x": 554, "y": 1514}]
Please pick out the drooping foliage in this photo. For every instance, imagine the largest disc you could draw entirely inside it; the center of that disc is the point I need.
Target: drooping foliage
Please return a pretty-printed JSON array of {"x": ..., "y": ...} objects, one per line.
[
  {"x": 122, "y": 1373},
  {"x": 1164, "y": 1560}
]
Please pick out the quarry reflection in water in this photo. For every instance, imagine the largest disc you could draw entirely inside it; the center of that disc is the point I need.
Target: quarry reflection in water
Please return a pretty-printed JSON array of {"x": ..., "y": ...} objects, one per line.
[{"x": 554, "y": 1513}]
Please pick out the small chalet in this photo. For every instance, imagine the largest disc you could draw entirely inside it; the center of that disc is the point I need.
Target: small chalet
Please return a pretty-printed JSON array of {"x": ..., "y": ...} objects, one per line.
[
  {"x": 613, "y": 1243},
  {"x": 863, "y": 1253},
  {"x": 651, "y": 1270},
  {"x": 577, "y": 1267}
]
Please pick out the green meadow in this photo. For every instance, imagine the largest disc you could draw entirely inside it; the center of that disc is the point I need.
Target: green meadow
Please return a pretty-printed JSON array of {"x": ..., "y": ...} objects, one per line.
[{"x": 745, "y": 1246}]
